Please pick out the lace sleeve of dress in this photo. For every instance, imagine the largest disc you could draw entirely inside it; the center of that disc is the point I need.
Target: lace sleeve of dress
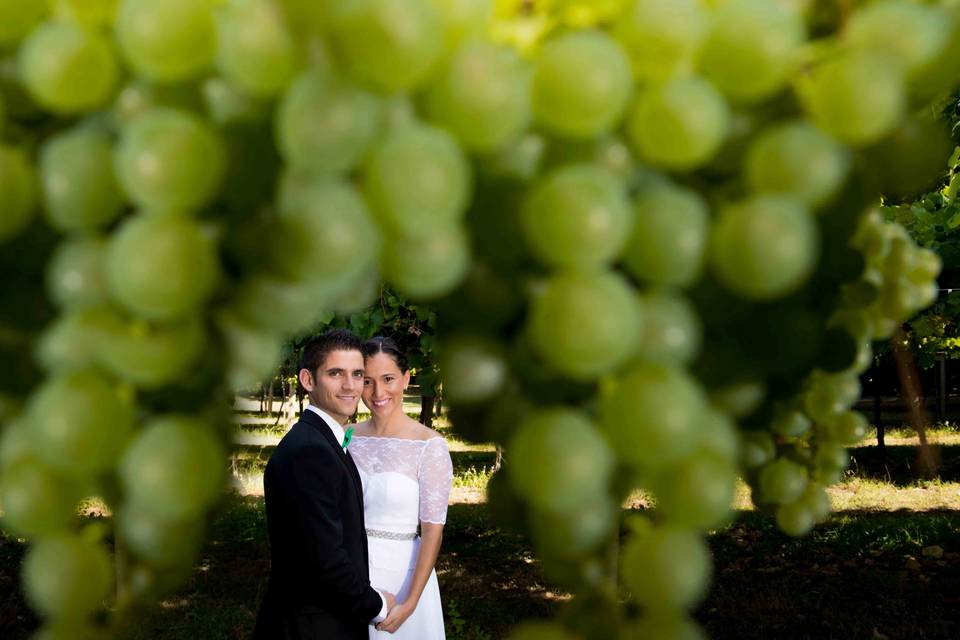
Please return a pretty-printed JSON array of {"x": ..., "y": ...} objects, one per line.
[{"x": 435, "y": 476}]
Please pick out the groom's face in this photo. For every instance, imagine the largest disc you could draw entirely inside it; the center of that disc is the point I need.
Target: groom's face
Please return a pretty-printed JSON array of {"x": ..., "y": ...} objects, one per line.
[{"x": 336, "y": 384}]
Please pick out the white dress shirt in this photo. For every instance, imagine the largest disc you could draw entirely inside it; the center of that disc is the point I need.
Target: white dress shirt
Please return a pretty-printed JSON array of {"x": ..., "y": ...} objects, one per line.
[{"x": 339, "y": 434}]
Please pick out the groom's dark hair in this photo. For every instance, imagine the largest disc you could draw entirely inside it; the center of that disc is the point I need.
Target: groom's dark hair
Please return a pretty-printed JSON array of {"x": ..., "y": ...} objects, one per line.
[{"x": 317, "y": 348}]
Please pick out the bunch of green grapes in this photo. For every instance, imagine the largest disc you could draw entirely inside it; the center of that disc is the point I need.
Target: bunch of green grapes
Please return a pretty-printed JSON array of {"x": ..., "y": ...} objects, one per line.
[{"x": 648, "y": 228}]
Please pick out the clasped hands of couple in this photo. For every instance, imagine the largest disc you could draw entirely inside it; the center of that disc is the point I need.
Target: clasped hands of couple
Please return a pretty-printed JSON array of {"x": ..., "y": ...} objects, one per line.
[{"x": 397, "y": 613}]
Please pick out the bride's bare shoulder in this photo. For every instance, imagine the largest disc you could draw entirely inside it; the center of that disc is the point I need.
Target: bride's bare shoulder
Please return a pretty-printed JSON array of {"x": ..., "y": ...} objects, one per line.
[{"x": 420, "y": 431}]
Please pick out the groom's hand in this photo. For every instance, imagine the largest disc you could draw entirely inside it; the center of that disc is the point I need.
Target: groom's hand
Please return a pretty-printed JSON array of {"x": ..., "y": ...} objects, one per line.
[{"x": 391, "y": 600}]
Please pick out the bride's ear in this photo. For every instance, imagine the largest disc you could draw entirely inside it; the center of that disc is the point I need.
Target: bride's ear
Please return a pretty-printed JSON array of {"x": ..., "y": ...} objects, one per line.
[{"x": 406, "y": 379}]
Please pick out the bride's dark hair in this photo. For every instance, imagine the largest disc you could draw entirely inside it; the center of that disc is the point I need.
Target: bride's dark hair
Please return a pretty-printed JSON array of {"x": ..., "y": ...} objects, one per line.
[{"x": 387, "y": 346}]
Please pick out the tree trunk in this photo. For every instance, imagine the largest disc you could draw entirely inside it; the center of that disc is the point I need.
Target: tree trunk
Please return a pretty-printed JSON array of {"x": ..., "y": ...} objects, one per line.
[
  {"x": 878, "y": 422},
  {"x": 943, "y": 388},
  {"x": 426, "y": 410},
  {"x": 927, "y": 456}
]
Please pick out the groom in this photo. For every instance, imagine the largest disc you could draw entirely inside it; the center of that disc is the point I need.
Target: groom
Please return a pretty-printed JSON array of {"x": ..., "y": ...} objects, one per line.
[{"x": 319, "y": 587}]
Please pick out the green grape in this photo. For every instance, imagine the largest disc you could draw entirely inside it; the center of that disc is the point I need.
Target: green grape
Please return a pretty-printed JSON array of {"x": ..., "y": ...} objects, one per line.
[
  {"x": 765, "y": 247},
  {"x": 324, "y": 124},
  {"x": 679, "y": 125},
  {"x": 150, "y": 356},
  {"x": 795, "y": 518},
  {"x": 672, "y": 331},
  {"x": 909, "y": 162},
  {"x": 581, "y": 84},
  {"x": 857, "y": 97},
  {"x": 169, "y": 160},
  {"x": 473, "y": 369},
  {"x": 272, "y": 305},
  {"x": 926, "y": 267},
  {"x": 585, "y": 324},
  {"x": 758, "y": 449},
  {"x": 654, "y": 414},
  {"x": 35, "y": 500},
  {"x": 173, "y": 470},
  {"x": 719, "y": 436},
  {"x": 559, "y": 460},
  {"x": 849, "y": 427},
  {"x": 668, "y": 568},
  {"x": 417, "y": 178},
  {"x": 391, "y": 45},
  {"x": 327, "y": 218},
  {"x": 16, "y": 442},
  {"x": 18, "y": 18},
  {"x": 830, "y": 395},
  {"x": 697, "y": 491},
  {"x": 662, "y": 36},
  {"x": 139, "y": 96},
  {"x": 798, "y": 160},
  {"x": 782, "y": 481},
  {"x": 482, "y": 97},
  {"x": 666, "y": 626},
  {"x": 307, "y": 18},
  {"x": 252, "y": 354},
  {"x": 66, "y": 68},
  {"x": 17, "y": 192},
  {"x": 66, "y": 577},
  {"x": 80, "y": 189},
  {"x": 669, "y": 240},
  {"x": 817, "y": 501},
  {"x": 831, "y": 456},
  {"x": 540, "y": 631},
  {"x": 227, "y": 106},
  {"x": 740, "y": 399},
  {"x": 900, "y": 257},
  {"x": 577, "y": 217},
  {"x": 75, "y": 275},
  {"x": 161, "y": 267},
  {"x": 80, "y": 422},
  {"x": 790, "y": 423},
  {"x": 255, "y": 51},
  {"x": 159, "y": 543},
  {"x": 752, "y": 48},
  {"x": 92, "y": 14},
  {"x": 428, "y": 265},
  {"x": 464, "y": 20},
  {"x": 558, "y": 535},
  {"x": 899, "y": 299},
  {"x": 71, "y": 341},
  {"x": 913, "y": 35},
  {"x": 167, "y": 41}
]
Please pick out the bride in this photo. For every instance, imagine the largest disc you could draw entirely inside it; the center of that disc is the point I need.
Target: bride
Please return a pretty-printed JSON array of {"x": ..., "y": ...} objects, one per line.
[{"x": 406, "y": 472}]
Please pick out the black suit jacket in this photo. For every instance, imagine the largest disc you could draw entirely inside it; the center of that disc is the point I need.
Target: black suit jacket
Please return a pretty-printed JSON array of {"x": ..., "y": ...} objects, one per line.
[{"x": 319, "y": 587}]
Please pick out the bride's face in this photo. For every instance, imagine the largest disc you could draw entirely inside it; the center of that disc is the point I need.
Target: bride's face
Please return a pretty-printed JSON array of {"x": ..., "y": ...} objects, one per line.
[{"x": 383, "y": 385}]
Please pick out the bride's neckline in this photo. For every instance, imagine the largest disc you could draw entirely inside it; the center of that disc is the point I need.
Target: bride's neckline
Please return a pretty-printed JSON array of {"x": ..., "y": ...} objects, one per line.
[{"x": 357, "y": 435}]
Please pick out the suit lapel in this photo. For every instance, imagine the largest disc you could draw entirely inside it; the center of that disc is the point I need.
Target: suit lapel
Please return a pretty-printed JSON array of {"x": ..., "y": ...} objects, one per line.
[{"x": 320, "y": 425}]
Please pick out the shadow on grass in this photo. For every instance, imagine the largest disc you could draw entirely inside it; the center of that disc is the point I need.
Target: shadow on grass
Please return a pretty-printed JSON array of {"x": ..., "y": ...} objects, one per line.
[
  {"x": 900, "y": 465},
  {"x": 859, "y": 572},
  {"x": 863, "y": 574}
]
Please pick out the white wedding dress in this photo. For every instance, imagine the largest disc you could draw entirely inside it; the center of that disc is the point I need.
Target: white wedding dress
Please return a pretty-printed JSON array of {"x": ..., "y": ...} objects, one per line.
[{"x": 404, "y": 482}]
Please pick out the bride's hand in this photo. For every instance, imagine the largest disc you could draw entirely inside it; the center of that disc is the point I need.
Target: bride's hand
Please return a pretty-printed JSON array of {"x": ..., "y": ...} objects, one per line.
[{"x": 396, "y": 617}]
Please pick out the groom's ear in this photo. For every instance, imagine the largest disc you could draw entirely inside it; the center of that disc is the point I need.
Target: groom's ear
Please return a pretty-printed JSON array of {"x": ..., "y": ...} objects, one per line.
[{"x": 306, "y": 380}]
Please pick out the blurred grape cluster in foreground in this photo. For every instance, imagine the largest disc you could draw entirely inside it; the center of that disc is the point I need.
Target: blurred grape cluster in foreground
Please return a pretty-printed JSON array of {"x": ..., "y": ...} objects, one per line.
[{"x": 648, "y": 227}]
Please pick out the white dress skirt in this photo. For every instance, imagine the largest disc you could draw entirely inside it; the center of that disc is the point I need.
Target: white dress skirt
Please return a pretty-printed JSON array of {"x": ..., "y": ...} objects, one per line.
[{"x": 405, "y": 482}]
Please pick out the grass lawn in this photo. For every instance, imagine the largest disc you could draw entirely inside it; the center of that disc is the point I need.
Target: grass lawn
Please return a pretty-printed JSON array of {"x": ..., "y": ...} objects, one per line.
[{"x": 887, "y": 566}]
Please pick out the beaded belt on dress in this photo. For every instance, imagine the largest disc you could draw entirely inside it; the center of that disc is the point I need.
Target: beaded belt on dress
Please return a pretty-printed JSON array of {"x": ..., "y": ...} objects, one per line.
[{"x": 391, "y": 535}]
